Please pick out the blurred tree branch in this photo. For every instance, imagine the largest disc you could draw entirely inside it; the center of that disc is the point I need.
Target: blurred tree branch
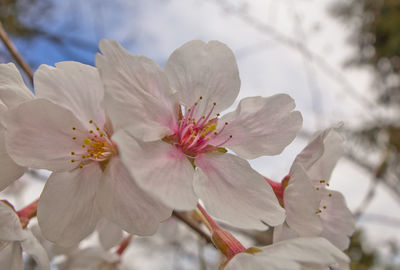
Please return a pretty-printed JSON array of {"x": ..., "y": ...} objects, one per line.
[{"x": 15, "y": 54}]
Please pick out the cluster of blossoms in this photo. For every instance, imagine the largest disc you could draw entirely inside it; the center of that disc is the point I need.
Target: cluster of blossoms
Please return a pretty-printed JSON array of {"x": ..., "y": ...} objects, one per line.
[{"x": 129, "y": 142}]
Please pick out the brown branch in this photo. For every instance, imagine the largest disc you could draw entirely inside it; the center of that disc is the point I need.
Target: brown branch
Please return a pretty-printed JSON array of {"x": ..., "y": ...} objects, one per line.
[
  {"x": 194, "y": 226},
  {"x": 15, "y": 54}
]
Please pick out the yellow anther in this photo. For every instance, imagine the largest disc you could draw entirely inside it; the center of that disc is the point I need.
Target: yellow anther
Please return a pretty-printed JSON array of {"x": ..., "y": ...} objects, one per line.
[
  {"x": 327, "y": 184},
  {"x": 322, "y": 181},
  {"x": 317, "y": 188},
  {"x": 195, "y": 104},
  {"x": 215, "y": 103},
  {"x": 201, "y": 97},
  {"x": 216, "y": 133},
  {"x": 203, "y": 117},
  {"x": 80, "y": 166},
  {"x": 324, "y": 206},
  {"x": 209, "y": 128},
  {"x": 83, "y": 146},
  {"x": 73, "y": 128},
  {"x": 83, "y": 156},
  {"x": 87, "y": 141},
  {"x": 74, "y": 138},
  {"x": 218, "y": 114},
  {"x": 91, "y": 121},
  {"x": 90, "y": 131},
  {"x": 72, "y": 153},
  {"x": 97, "y": 128},
  {"x": 330, "y": 195},
  {"x": 101, "y": 134},
  {"x": 72, "y": 160}
]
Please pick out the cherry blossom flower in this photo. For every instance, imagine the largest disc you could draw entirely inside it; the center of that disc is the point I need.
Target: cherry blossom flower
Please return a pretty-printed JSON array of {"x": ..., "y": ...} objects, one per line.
[
  {"x": 12, "y": 93},
  {"x": 14, "y": 239},
  {"x": 175, "y": 138},
  {"x": 311, "y": 208},
  {"x": 65, "y": 129},
  {"x": 294, "y": 254}
]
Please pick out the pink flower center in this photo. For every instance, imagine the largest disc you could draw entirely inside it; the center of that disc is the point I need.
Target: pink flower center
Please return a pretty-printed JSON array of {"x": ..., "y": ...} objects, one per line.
[
  {"x": 195, "y": 136},
  {"x": 97, "y": 145}
]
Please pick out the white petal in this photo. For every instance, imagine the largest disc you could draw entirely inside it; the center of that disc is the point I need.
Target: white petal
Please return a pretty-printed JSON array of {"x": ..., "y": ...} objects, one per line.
[
  {"x": 283, "y": 232},
  {"x": 74, "y": 86},
  {"x": 123, "y": 202},
  {"x": 67, "y": 211},
  {"x": 11, "y": 257},
  {"x": 92, "y": 258},
  {"x": 39, "y": 135},
  {"x": 13, "y": 90},
  {"x": 109, "y": 233},
  {"x": 312, "y": 250},
  {"x": 137, "y": 94},
  {"x": 160, "y": 169},
  {"x": 337, "y": 220},
  {"x": 10, "y": 225},
  {"x": 320, "y": 156},
  {"x": 32, "y": 247},
  {"x": 10, "y": 171},
  {"x": 292, "y": 254},
  {"x": 204, "y": 69},
  {"x": 333, "y": 151},
  {"x": 232, "y": 191},
  {"x": 301, "y": 202},
  {"x": 261, "y": 126}
]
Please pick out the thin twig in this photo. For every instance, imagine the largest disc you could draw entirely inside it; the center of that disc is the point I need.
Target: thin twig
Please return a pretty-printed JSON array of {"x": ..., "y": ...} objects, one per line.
[
  {"x": 195, "y": 227},
  {"x": 15, "y": 54}
]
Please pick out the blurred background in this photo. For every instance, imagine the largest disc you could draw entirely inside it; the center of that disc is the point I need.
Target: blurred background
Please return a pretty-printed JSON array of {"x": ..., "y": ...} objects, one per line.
[{"x": 340, "y": 61}]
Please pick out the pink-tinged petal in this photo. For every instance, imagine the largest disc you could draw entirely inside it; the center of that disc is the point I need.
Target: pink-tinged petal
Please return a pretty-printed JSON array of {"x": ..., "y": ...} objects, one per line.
[
  {"x": 40, "y": 135},
  {"x": 74, "y": 86},
  {"x": 337, "y": 219},
  {"x": 159, "y": 168},
  {"x": 33, "y": 248},
  {"x": 11, "y": 257},
  {"x": 302, "y": 202},
  {"x": 121, "y": 200},
  {"x": 137, "y": 97},
  {"x": 294, "y": 254},
  {"x": 13, "y": 90},
  {"x": 235, "y": 193},
  {"x": 204, "y": 69},
  {"x": 10, "y": 171},
  {"x": 109, "y": 233},
  {"x": 67, "y": 211},
  {"x": 261, "y": 126},
  {"x": 10, "y": 225}
]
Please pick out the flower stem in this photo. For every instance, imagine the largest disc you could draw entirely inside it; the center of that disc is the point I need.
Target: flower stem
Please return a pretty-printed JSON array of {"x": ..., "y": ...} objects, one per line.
[
  {"x": 28, "y": 212},
  {"x": 124, "y": 245},
  {"x": 15, "y": 54}
]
